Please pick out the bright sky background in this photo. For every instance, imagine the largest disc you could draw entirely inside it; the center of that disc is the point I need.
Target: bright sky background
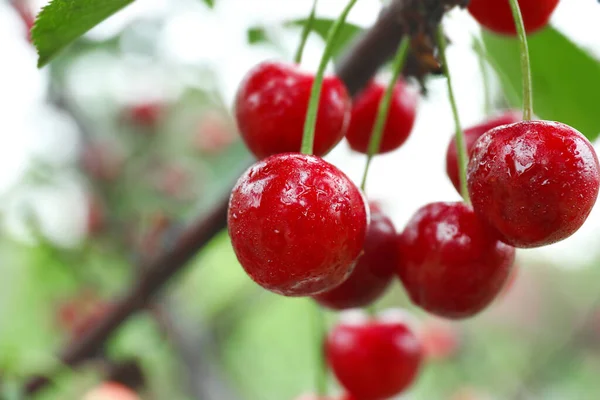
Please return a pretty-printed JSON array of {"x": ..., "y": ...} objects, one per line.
[{"x": 403, "y": 180}]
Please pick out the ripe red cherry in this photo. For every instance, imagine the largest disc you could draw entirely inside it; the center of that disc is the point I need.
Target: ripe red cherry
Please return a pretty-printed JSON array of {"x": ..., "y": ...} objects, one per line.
[
  {"x": 297, "y": 224},
  {"x": 535, "y": 182},
  {"x": 471, "y": 136},
  {"x": 271, "y": 105},
  {"x": 374, "y": 270},
  {"x": 496, "y": 15},
  {"x": 399, "y": 123},
  {"x": 440, "y": 339},
  {"x": 145, "y": 114},
  {"x": 373, "y": 359},
  {"x": 452, "y": 264}
]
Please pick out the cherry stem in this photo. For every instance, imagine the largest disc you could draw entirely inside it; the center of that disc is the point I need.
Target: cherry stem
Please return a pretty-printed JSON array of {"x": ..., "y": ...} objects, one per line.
[
  {"x": 459, "y": 134},
  {"x": 305, "y": 32},
  {"x": 525, "y": 62},
  {"x": 320, "y": 329},
  {"x": 384, "y": 107},
  {"x": 308, "y": 137}
]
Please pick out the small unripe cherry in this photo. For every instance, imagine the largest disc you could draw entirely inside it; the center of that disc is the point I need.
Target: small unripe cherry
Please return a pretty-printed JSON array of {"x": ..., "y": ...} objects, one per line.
[
  {"x": 451, "y": 263},
  {"x": 373, "y": 359},
  {"x": 374, "y": 269},
  {"x": 400, "y": 119},
  {"x": 297, "y": 224},
  {"x": 271, "y": 105},
  {"x": 471, "y": 136},
  {"x": 496, "y": 15},
  {"x": 534, "y": 182}
]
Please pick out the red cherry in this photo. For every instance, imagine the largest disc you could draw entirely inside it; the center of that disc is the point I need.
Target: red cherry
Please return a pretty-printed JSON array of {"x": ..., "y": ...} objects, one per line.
[
  {"x": 471, "y": 136},
  {"x": 399, "y": 124},
  {"x": 373, "y": 359},
  {"x": 111, "y": 391},
  {"x": 535, "y": 182},
  {"x": 96, "y": 215},
  {"x": 440, "y": 339},
  {"x": 147, "y": 114},
  {"x": 271, "y": 106},
  {"x": 374, "y": 269},
  {"x": 452, "y": 265},
  {"x": 496, "y": 15},
  {"x": 297, "y": 224}
]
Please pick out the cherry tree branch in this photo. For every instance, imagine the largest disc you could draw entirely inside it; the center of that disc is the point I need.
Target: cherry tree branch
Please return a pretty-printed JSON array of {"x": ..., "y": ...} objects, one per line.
[{"x": 362, "y": 60}]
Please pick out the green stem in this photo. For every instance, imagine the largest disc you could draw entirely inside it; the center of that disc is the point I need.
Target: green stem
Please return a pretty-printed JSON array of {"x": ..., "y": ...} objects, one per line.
[
  {"x": 525, "y": 62},
  {"x": 308, "y": 137},
  {"x": 321, "y": 370},
  {"x": 459, "y": 134},
  {"x": 305, "y": 32},
  {"x": 384, "y": 106}
]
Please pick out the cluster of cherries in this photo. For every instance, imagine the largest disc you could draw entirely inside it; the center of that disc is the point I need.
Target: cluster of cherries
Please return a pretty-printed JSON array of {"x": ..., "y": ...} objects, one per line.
[{"x": 300, "y": 227}]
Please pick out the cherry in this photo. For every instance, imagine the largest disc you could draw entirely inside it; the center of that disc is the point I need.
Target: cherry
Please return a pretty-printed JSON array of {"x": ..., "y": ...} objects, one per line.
[
  {"x": 471, "y": 136},
  {"x": 96, "y": 215},
  {"x": 373, "y": 359},
  {"x": 439, "y": 338},
  {"x": 271, "y": 105},
  {"x": 213, "y": 134},
  {"x": 145, "y": 114},
  {"x": 496, "y": 15},
  {"x": 452, "y": 264},
  {"x": 111, "y": 391},
  {"x": 297, "y": 224},
  {"x": 535, "y": 182},
  {"x": 400, "y": 120},
  {"x": 374, "y": 269}
]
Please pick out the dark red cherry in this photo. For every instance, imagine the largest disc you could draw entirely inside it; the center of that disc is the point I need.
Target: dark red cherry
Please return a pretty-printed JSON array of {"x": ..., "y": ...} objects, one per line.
[
  {"x": 145, "y": 114},
  {"x": 451, "y": 263},
  {"x": 297, "y": 224},
  {"x": 400, "y": 121},
  {"x": 471, "y": 136},
  {"x": 535, "y": 182},
  {"x": 373, "y": 359},
  {"x": 374, "y": 270},
  {"x": 496, "y": 15},
  {"x": 271, "y": 105}
]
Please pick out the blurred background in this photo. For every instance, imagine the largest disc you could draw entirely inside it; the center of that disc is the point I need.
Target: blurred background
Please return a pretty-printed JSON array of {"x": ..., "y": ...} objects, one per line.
[{"x": 128, "y": 135}]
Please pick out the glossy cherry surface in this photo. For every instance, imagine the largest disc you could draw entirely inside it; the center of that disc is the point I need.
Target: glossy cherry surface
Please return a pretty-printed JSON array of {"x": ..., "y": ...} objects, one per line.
[
  {"x": 271, "y": 105},
  {"x": 400, "y": 121},
  {"x": 496, "y": 15},
  {"x": 373, "y": 359},
  {"x": 297, "y": 224},
  {"x": 374, "y": 270},
  {"x": 535, "y": 182},
  {"x": 471, "y": 136},
  {"x": 452, "y": 264}
]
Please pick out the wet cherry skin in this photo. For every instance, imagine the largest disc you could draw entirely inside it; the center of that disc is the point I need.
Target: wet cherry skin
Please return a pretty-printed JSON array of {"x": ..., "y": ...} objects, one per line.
[
  {"x": 471, "y": 136},
  {"x": 374, "y": 270},
  {"x": 297, "y": 224},
  {"x": 271, "y": 105},
  {"x": 400, "y": 121},
  {"x": 535, "y": 182},
  {"x": 373, "y": 359},
  {"x": 451, "y": 263},
  {"x": 496, "y": 15}
]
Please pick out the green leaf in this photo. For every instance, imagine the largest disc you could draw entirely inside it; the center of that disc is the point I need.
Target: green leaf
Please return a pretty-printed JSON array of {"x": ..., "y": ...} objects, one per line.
[
  {"x": 63, "y": 21},
  {"x": 210, "y": 3},
  {"x": 321, "y": 27},
  {"x": 256, "y": 35},
  {"x": 566, "y": 79}
]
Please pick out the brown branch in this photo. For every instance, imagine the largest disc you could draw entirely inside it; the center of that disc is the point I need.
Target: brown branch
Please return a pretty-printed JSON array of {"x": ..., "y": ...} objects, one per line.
[{"x": 361, "y": 62}]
